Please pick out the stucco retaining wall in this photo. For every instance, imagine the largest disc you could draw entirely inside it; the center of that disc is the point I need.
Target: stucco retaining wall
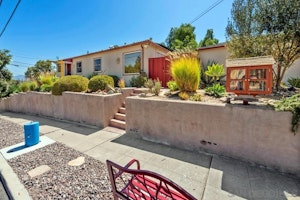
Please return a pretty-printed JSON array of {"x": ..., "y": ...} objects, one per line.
[
  {"x": 92, "y": 109},
  {"x": 246, "y": 132}
]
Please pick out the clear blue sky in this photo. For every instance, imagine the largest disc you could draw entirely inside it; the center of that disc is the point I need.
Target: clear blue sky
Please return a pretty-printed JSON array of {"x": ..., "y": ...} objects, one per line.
[{"x": 47, "y": 29}]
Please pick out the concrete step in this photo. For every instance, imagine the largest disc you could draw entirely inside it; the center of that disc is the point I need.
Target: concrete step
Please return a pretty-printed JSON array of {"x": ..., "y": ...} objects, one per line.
[
  {"x": 123, "y": 104},
  {"x": 120, "y": 116},
  {"x": 117, "y": 124},
  {"x": 140, "y": 90},
  {"x": 122, "y": 110}
]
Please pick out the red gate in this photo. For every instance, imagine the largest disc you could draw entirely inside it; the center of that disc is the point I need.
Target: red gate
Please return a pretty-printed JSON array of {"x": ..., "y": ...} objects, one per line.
[{"x": 160, "y": 68}]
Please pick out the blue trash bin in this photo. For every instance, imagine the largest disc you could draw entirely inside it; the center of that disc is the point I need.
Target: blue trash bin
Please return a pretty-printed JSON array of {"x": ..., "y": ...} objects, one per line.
[{"x": 31, "y": 133}]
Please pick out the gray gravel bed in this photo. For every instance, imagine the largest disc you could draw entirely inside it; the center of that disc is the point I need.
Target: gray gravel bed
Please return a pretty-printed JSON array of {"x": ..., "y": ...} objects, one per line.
[
  {"x": 88, "y": 181},
  {"x": 11, "y": 133}
]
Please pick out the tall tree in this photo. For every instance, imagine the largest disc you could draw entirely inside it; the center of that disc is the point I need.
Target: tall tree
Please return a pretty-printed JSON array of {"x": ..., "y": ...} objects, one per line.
[
  {"x": 243, "y": 37},
  {"x": 266, "y": 27},
  {"x": 5, "y": 59},
  {"x": 280, "y": 22},
  {"x": 209, "y": 39},
  {"x": 182, "y": 37}
]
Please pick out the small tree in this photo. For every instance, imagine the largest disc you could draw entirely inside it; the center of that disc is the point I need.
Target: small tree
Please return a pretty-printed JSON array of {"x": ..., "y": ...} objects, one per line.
[
  {"x": 41, "y": 66},
  {"x": 209, "y": 39},
  {"x": 182, "y": 37}
]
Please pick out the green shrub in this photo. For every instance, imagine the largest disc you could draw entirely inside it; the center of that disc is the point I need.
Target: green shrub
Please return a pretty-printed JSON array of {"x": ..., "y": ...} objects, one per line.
[
  {"x": 196, "y": 97},
  {"x": 121, "y": 83},
  {"x": 153, "y": 86},
  {"x": 216, "y": 90},
  {"x": 295, "y": 82},
  {"x": 100, "y": 82},
  {"x": 7, "y": 88},
  {"x": 24, "y": 87},
  {"x": 138, "y": 81},
  {"x": 74, "y": 83},
  {"x": 157, "y": 87},
  {"x": 186, "y": 73},
  {"x": 3, "y": 88},
  {"x": 13, "y": 87},
  {"x": 92, "y": 75},
  {"x": 46, "y": 88},
  {"x": 172, "y": 86},
  {"x": 33, "y": 86},
  {"x": 116, "y": 79},
  {"x": 184, "y": 95},
  {"x": 291, "y": 104},
  {"x": 205, "y": 80},
  {"x": 47, "y": 78}
]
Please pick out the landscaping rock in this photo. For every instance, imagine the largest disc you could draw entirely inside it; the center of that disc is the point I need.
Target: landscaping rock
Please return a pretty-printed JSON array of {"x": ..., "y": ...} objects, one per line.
[
  {"x": 77, "y": 162},
  {"x": 39, "y": 170}
]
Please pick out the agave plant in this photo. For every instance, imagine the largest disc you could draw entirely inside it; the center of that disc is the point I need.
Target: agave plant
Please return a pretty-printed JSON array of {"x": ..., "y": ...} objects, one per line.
[{"x": 215, "y": 71}]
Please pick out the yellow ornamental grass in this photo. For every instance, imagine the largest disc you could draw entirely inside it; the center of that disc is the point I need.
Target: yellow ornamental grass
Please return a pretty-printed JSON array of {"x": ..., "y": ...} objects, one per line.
[{"x": 186, "y": 73}]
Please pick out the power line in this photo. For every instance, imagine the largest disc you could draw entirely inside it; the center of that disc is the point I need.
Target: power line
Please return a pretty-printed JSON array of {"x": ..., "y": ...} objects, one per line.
[
  {"x": 206, "y": 11},
  {"x": 22, "y": 63},
  {"x": 12, "y": 14}
]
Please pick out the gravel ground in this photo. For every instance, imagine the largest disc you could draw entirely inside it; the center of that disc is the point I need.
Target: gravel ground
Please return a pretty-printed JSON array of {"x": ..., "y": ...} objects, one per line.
[{"x": 88, "y": 181}]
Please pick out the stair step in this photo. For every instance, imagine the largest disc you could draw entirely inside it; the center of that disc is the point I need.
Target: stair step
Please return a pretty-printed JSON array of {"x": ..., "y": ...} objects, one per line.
[
  {"x": 120, "y": 116},
  {"x": 122, "y": 110},
  {"x": 118, "y": 124},
  {"x": 123, "y": 104},
  {"x": 140, "y": 90}
]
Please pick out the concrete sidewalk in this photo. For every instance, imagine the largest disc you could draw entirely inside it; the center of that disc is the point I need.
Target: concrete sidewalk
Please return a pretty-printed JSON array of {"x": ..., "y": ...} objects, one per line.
[{"x": 204, "y": 176}]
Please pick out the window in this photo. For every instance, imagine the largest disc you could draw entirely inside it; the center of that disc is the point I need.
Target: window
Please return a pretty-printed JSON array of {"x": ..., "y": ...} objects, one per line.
[
  {"x": 132, "y": 62},
  {"x": 97, "y": 64},
  {"x": 79, "y": 67}
]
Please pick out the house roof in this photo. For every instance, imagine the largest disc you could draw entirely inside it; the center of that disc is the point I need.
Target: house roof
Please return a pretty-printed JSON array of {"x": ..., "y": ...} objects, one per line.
[
  {"x": 113, "y": 48},
  {"x": 220, "y": 45}
]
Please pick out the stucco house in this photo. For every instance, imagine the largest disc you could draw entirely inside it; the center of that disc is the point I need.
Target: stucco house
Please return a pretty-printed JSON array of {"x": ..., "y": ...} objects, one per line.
[
  {"x": 123, "y": 61},
  {"x": 219, "y": 54}
]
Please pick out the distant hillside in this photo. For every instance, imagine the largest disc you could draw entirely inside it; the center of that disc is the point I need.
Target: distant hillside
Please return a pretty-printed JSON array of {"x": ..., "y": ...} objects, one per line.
[{"x": 19, "y": 78}]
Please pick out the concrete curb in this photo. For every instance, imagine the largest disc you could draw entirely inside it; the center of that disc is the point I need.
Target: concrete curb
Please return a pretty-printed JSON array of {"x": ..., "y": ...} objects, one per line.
[{"x": 11, "y": 182}]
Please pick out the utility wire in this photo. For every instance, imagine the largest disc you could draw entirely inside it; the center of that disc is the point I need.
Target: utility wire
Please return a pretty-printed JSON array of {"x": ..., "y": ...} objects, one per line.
[
  {"x": 12, "y": 14},
  {"x": 206, "y": 11}
]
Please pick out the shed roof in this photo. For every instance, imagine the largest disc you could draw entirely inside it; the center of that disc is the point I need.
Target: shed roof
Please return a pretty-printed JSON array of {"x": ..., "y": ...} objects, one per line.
[{"x": 251, "y": 61}]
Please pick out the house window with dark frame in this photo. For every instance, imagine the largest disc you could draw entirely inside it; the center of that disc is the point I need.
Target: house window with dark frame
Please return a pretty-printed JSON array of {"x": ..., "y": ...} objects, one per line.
[
  {"x": 132, "y": 62},
  {"x": 79, "y": 67},
  {"x": 97, "y": 65}
]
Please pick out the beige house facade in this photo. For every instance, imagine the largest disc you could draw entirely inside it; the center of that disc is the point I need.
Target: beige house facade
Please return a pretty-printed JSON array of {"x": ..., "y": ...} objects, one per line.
[
  {"x": 219, "y": 53},
  {"x": 122, "y": 61}
]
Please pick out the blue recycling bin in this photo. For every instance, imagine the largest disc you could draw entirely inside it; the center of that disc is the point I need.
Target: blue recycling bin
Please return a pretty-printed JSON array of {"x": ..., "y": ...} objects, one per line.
[{"x": 31, "y": 133}]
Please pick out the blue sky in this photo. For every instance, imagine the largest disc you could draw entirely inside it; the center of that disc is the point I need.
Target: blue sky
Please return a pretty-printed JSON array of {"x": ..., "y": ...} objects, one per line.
[{"x": 47, "y": 29}]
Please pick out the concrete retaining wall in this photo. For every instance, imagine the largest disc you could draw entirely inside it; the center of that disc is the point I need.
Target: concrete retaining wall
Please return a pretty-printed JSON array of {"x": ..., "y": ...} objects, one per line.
[
  {"x": 246, "y": 132},
  {"x": 92, "y": 109}
]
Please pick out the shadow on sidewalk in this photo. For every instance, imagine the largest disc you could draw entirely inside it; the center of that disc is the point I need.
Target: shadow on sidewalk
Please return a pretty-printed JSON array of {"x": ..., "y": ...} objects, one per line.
[
  {"x": 227, "y": 177},
  {"x": 132, "y": 140}
]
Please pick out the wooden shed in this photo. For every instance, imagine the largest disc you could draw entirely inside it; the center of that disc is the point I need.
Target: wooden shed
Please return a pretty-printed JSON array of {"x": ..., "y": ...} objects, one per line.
[{"x": 249, "y": 76}]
